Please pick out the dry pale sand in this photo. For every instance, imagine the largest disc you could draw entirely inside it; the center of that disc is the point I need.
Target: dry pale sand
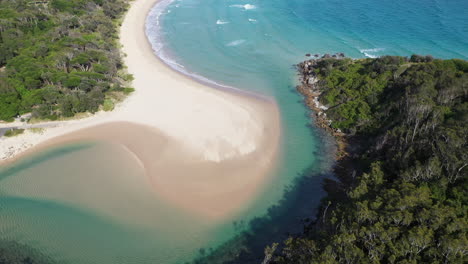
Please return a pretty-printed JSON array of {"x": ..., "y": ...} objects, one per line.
[{"x": 203, "y": 149}]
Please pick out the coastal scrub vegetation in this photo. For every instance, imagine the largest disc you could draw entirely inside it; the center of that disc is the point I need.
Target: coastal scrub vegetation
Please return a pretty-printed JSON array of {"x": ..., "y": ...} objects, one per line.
[
  {"x": 59, "y": 57},
  {"x": 13, "y": 132},
  {"x": 401, "y": 194}
]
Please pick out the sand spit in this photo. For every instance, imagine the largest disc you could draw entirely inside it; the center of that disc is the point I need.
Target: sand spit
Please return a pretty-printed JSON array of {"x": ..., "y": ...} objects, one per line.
[
  {"x": 219, "y": 146},
  {"x": 209, "y": 189}
]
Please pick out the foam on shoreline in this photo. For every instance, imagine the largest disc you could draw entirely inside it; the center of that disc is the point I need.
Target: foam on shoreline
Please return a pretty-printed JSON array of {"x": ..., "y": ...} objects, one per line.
[
  {"x": 156, "y": 39},
  {"x": 213, "y": 132}
]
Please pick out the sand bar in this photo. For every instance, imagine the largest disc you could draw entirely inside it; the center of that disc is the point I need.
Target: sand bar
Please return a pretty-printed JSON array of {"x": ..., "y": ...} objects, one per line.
[{"x": 220, "y": 146}]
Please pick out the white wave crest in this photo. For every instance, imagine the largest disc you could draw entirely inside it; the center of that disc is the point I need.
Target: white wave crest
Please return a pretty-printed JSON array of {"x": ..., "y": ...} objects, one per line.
[
  {"x": 369, "y": 52},
  {"x": 221, "y": 22},
  {"x": 155, "y": 33},
  {"x": 155, "y": 36},
  {"x": 252, "y": 20},
  {"x": 235, "y": 43},
  {"x": 246, "y": 6},
  {"x": 369, "y": 55},
  {"x": 372, "y": 50}
]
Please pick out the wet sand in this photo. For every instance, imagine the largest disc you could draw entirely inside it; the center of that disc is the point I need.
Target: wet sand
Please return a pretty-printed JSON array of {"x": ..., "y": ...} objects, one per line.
[
  {"x": 203, "y": 149},
  {"x": 212, "y": 190}
]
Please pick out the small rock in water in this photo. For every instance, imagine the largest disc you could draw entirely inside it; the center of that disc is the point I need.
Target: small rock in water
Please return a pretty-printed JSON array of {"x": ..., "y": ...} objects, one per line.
[
  {"x": 316, "y": 55},
  {"x": 308, "y": 55}
]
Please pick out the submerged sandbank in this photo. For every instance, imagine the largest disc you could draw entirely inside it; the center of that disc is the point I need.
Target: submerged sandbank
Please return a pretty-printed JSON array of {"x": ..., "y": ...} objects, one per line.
[
  {"x": 218, "y": 146},
  {"x": 210, "y": 189}
]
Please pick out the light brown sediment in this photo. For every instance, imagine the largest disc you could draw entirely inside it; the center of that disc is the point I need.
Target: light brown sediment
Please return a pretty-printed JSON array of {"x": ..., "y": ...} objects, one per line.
[{"x": 215, "y": 148}]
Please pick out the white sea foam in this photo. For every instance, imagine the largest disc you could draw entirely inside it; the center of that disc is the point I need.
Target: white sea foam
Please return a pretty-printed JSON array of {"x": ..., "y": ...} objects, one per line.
[
  {"x": 369, "y": 55},
  {"x": 252, "y": 20},
  {"x": 245, "y": 7},
  {"x": 372, "y": 50},
  {"x": 369, "y": 52},
  {"x": 155, "y": 36},
  {"x": 154, "y": 32},
  {"x": 221, "y": 22},
  {"x": 235, "y": 43},
  {"x": 155, "y": 28}
]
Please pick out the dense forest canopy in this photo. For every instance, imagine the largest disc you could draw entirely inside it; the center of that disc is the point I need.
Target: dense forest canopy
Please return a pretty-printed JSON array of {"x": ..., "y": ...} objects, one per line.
[
  {"x": 402, "y": 197},
  {"x": 58, "y": 57}
]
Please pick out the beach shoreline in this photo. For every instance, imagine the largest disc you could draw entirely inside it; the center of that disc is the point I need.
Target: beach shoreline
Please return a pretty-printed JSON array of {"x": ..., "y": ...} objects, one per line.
[{"x": 227, "y": 140}]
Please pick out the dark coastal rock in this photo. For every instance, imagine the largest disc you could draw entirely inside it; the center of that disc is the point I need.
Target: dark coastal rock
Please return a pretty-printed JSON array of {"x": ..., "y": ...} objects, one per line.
[
  {"x": 308, "y": 55},
  {"x": 341, "y": 55},
  {"x": 316, "y": 55},
  {"x": 326, "y": 56}
]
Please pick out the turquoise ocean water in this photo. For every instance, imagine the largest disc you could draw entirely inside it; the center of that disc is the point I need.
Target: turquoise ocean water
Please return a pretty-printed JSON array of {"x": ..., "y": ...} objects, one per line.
[{"x": 250, "y": 45}]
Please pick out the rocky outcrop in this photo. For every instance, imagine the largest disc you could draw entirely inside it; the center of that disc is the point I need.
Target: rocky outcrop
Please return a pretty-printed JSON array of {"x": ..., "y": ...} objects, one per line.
[{"x": 311, "y": 87}]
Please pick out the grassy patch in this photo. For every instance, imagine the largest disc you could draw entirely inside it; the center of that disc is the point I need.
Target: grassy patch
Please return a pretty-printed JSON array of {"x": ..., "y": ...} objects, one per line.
[
  {"x": 14, "y": 132},
  {"x": 8, "y": 120},
  {"x": 77, "y": 116},
  {"x": 37, "y": 130},
  {"x": 108, "y": 105},
  {"x": 128, "y": 90}
]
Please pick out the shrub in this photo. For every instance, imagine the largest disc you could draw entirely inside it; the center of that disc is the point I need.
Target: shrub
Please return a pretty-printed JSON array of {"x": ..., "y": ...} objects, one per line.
[
  {"x": 13, "y": 132},
  {"x": 108, "y": 105}
]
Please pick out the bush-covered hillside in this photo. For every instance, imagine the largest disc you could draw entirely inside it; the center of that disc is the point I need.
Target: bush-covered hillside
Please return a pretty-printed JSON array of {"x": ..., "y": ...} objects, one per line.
[
  {"x": 58, "y": 57},
  {"x": 403, "y": 191}
]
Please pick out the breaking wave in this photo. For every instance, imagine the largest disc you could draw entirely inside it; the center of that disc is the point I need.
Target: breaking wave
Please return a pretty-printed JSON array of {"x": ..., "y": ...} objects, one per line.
[
  {"x": 235, "y": 43},
  {"x": 245, "y": 7},
  {"x": 370, "y": 53}
]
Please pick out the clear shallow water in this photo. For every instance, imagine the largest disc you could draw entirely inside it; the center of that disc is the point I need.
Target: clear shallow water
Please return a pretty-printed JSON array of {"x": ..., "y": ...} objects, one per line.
[
  {"x": 76, "y": 205},
  {"x": 253, "y": 45},
  {"x": 58, "y": 202}
]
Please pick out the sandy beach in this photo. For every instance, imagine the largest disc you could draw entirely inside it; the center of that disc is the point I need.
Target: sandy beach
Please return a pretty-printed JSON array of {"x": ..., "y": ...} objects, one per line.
[{"x": 214, "y": 148}]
